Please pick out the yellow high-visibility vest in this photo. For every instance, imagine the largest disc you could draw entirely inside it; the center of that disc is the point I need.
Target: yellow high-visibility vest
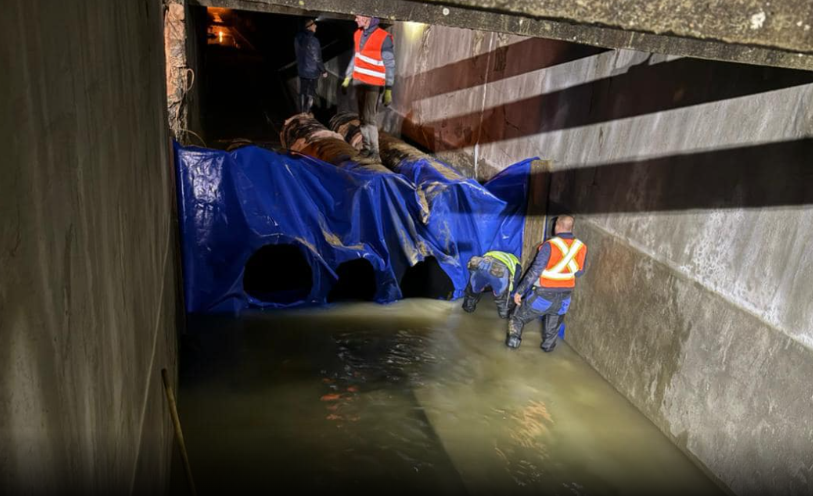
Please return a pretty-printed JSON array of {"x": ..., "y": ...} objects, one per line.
[{"x": 509, "y": 260}]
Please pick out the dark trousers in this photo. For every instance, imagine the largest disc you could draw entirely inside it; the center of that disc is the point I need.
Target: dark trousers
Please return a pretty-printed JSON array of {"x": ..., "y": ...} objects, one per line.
[
  {"x": 502, "y": 301},
  {"x": 487, "y": 272},
  {"x": 539, "y": 303},
  {"x": 307, "y": 90},
  {"x": 368, "y": 97}
]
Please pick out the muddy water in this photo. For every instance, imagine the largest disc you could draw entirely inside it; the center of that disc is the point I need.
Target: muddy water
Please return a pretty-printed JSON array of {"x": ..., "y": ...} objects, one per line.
[{"x": 410, "y": 397}]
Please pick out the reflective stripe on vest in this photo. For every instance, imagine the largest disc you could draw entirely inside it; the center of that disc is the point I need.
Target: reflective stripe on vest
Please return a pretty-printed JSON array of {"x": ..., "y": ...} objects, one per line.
[
  {"x": 507, "y": 259},
  {"x": 369, "y": 60},
  {"x": 557, "y": 272},
  {"x": 368, "y": 64}
]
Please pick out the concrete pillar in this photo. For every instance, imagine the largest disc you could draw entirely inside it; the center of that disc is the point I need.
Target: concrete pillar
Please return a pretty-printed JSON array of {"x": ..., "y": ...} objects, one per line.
[{"x": 88, "y": 305}]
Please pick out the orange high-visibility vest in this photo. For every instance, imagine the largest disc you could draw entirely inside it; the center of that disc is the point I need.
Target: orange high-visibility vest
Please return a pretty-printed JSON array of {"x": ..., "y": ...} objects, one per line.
[
  {"x": 368, "y": 65},
  {"x": 566, "y": 258}
]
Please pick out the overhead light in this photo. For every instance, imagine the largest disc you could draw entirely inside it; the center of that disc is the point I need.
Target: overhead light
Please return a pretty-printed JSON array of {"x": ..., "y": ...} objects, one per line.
[{"x": 414, "y": 30}]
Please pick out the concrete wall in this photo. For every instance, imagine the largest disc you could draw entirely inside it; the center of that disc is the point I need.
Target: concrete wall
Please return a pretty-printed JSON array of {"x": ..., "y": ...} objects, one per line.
[
  {"x": 87, "y": 277},
  {"x": 692, "y": 183}
]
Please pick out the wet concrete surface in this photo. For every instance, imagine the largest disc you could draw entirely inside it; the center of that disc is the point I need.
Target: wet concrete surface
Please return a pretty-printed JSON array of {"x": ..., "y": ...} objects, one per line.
[{"x": 409, "y": 397}]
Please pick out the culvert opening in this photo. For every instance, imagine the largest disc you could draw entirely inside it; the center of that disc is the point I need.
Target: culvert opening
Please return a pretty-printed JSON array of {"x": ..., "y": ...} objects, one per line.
[
  {"x": 356, "y": 282},
  {"x": 278, "y": 274},
  {"x": 427, "y": 280}
]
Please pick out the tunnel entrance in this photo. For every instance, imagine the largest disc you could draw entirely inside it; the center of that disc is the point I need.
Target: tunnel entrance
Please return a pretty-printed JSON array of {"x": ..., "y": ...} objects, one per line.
[
  {"x": 278, "y": 274},
  {"x": 356, "y": 282},
  {"x": 246, "y": 70},
  {"x": 427, "y": 280}
]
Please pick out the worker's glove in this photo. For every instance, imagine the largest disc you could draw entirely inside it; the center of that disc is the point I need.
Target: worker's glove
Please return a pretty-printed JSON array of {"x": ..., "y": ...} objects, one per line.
[
  {"x": 346, "y": 83},
  {"x": 387, "y": 97}
]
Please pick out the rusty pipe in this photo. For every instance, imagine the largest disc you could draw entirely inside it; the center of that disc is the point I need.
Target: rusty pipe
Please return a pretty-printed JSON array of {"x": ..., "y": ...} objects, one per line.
[
  {"x": 348, "y": 125},
  {"x": 303, "y": 134},
  {"x": 393, "y": 151}
]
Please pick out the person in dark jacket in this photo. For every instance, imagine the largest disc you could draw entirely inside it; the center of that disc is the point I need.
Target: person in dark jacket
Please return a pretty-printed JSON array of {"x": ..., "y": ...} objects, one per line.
[{"x": 309, "y": 64}]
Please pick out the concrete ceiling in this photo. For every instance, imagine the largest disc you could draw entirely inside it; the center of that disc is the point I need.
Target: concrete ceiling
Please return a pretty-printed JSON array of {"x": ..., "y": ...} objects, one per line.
[{"x": 764, "y": 32}]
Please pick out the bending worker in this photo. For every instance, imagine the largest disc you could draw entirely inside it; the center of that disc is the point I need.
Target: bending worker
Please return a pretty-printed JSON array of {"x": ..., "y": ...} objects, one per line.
[
  {"x": 372, "y": 69},
  {"x": 496, "y": 269},
  {"x": 309, "y": 64},
  {"x": 546, "y": 288}
]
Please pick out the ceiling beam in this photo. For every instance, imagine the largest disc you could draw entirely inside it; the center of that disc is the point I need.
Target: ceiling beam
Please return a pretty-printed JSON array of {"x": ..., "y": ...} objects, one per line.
[{"x": 708, "y": 30}]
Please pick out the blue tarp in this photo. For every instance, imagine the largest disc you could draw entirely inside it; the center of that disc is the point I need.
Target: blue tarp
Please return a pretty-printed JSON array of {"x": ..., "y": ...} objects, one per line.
[
  {"x": 511, "y": 185},
  {"x": 468, "y": 219},
  {"x": 231, "y": 204}
]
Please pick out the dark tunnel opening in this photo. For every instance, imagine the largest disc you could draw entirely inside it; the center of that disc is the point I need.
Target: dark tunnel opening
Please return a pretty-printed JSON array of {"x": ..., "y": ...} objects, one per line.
[
  {"x": 427, "y": 279},
  {"x": 356, "y": 282},
  {"x": 278, "y": 274},
  {"x": 247, "y": 72}
]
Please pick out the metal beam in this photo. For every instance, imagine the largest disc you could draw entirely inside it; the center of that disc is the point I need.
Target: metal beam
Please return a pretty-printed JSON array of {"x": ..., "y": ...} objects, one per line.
[{"x": 521, "y": 17}]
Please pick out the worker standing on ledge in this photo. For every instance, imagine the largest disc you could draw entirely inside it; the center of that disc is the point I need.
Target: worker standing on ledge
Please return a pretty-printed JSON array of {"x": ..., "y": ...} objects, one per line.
[
  {"x": 548, "y": 284},
  {"x": 372, "y": 69},
  {"x": 309, "y": 64},
  {"x": 496, "y": 269}
]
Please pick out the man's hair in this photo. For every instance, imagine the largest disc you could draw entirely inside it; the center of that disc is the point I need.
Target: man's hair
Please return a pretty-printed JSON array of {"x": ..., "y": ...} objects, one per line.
[
  {"x": 565, "y": 221},
  {"x": 309, "y": 23}
]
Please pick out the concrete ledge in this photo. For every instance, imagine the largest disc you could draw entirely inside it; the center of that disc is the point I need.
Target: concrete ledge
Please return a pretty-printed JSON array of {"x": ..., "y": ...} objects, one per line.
[
  {"x": 780, "y": 23},
  {"x": 779, "y": 47}
]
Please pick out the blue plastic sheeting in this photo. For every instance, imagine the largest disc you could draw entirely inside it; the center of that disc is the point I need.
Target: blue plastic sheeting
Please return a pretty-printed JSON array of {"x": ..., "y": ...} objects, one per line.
[
  {"x": 231, "y": 204},
  {"x": 469, "y": 219},
  {"x": 511, "y": 185}
]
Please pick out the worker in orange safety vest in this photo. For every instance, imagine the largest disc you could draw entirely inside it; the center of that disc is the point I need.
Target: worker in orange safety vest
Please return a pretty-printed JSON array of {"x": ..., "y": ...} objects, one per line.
[
  {"x": 546, "y": 289},
  {"x": 372, "y": 71}
]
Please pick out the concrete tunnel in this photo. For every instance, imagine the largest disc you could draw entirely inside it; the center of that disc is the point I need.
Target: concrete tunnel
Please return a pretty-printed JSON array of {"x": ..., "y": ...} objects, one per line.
[{"x": 678, "y": 135}]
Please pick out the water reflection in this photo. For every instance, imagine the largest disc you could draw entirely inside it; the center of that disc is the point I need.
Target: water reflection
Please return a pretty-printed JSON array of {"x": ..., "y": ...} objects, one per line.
[{"x": 414, "y": 396}]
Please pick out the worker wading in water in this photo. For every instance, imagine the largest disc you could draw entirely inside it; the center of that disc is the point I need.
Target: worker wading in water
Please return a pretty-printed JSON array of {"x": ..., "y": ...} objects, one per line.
[
  {"x": 546, "y": 289},
  {"x": 498, "y": 270}
]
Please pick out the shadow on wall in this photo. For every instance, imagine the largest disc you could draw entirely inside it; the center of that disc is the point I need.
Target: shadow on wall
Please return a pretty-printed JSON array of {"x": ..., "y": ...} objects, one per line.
[
  {"x": 776, "y": 175},
  {"x": 504, "y": 62},
  {"x": 771, "y": 175},
  {"x": 643, "y": 89}
]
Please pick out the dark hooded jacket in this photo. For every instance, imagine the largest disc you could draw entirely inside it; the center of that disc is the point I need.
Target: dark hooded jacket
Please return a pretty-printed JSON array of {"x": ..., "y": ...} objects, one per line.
[{"x": 308, "y": 55}]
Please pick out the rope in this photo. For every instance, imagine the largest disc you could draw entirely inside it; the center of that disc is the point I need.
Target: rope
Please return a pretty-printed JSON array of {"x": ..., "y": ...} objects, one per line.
[{"x": 193, "y": 133}]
